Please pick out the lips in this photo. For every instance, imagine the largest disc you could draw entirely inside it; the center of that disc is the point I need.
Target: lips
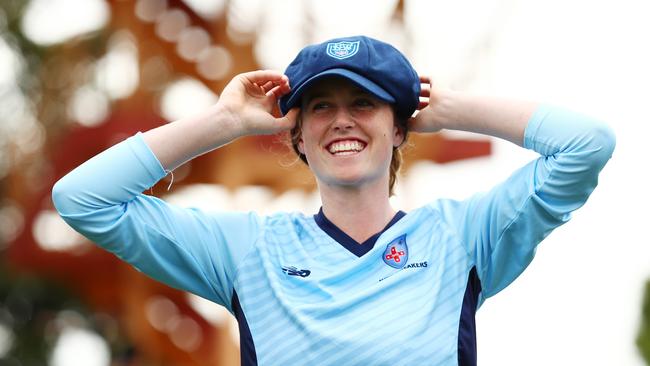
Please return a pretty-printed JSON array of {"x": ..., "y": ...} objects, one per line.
[{"x": 346, "y": 147}]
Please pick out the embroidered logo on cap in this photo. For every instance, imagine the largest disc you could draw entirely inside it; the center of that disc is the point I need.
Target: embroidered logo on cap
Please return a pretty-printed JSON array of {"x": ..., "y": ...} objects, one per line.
[
  {"x": 396, "y": 254},
  {"x": 343, "y": 49}
]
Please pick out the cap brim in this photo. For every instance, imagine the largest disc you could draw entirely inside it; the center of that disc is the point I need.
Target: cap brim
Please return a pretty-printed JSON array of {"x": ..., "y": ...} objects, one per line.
[{"x": 355, "y": 78}]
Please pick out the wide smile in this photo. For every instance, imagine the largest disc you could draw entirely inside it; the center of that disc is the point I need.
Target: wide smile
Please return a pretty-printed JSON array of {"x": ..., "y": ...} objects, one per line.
[{"x": 345, "y": 147}]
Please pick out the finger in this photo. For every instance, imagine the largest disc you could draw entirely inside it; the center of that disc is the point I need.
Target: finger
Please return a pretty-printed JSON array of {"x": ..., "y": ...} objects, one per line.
[
  {"x": 275, "y": 111},
  {"x": 289, "y": 120},
  {"x": 292, "y": 115},
  {"x": 423, "y": 104},
  {"x": 414, "y": 124},
  {"x": 279, "y": 90},
  {"x": 268, "y": 86},
  {"x": 425, "y": 92},
  {"x": 273, "y": 92},
  {"x": 425, "y": 79},
  {"x": 411, "y": 123},
  {"x": 262, "y": 77},
  {"x": 285, "y": 87}
]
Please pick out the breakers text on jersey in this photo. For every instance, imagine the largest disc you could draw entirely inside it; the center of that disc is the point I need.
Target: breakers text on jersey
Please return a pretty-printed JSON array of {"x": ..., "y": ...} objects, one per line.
[{"x": 416, "y": 265}]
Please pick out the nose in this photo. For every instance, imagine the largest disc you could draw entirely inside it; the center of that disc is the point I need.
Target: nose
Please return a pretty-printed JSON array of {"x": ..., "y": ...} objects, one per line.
[{"x": 342, "y": 120}]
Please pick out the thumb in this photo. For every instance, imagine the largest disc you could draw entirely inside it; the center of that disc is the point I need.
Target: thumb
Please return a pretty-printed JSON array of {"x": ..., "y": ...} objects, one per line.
[
  {"x": 289, "y": 120},
  {"x": 418, "y": 123},
  {"x": 414, "y": 122}
]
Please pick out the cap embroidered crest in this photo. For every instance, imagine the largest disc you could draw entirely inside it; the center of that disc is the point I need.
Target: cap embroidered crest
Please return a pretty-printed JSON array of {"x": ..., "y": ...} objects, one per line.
[
  {"x": 342, "y": 50},
  {"x": 396, "y": 254}
]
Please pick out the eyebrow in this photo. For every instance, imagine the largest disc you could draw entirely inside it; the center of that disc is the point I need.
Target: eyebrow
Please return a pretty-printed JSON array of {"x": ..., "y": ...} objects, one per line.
[{"x": 307, "y": 98}]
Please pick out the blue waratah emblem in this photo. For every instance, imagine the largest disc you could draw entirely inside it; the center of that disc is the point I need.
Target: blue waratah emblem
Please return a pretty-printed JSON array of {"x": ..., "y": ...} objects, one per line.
[
  {"x": 396, "y": 254},
  {"x": 343, "y": 49}
]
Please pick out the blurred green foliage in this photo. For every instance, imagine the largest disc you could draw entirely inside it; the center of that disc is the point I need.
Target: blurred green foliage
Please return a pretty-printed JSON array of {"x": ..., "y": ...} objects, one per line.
[
  {"x": 643, "y": 340},
  {"x": 36, "y": 310},
  {"x": 28, "y": 307}
]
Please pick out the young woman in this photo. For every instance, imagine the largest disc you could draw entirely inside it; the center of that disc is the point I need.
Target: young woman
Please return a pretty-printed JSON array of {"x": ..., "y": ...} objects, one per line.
[{"x": 359, "y": 283}]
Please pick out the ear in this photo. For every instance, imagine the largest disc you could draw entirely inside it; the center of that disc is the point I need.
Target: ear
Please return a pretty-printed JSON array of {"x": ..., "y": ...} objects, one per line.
[
  {"x": 301, "y": 146},
  {"x": 398, "y": 135}
]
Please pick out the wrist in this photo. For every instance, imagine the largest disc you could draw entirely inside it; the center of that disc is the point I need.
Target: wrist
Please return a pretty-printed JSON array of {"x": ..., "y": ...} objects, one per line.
[
  {"x": 228, "y": 122},
  {"x": 445, "y": 109}
]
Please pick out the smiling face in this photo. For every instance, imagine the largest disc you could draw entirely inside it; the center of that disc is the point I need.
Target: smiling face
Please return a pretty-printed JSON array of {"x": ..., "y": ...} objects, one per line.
[{"x": 348, "y": 135}]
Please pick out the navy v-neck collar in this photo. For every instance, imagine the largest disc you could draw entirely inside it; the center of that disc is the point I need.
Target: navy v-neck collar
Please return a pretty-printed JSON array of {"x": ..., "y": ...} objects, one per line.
[{"x": 345, "y": 240}]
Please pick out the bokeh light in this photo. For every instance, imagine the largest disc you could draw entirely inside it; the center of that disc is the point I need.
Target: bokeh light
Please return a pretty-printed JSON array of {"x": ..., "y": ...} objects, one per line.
[
  {"x": 159, "y": 310},
  {"x": 6, "y": 339},
  {"x": 12, "y": 223},
  {"x": 184, "y": 332},
  {"x": 80, "y": 347},
  {"x": 184, "y": 98},
  {"x": 117, "y": 72},
  {"x": 170, "y": 24},
  {"x": 150, "y": 10},
  {"x": 191, "y": 41},
  {"x": 10, "y": 64},
  {"x": 89, "y": 106},
  {"x": 208, "y": 9},
  {"x": 52, "y": 233},
  {"x": 214, "y": 62},
  {"x": 48, "y": 22}
]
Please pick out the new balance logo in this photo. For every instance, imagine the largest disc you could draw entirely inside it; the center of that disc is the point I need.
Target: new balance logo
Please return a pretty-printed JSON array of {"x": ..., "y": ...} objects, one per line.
[{"x": 293, "y": 271}]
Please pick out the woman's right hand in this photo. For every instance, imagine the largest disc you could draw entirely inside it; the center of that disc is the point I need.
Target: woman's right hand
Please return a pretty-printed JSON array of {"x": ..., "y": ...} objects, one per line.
[
  {"x": 250, "y": 99},
  {"x": 245, "y": 107}
]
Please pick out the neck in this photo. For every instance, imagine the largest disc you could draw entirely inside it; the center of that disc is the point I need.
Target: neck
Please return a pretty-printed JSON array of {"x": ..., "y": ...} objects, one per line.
[{"x": 359, "y": 211}]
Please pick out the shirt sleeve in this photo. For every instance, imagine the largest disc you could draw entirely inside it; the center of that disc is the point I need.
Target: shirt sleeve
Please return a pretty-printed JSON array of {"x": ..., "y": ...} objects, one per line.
[
  {"x": 501, "y": 228},
  {"x": 185, "y": 248}
]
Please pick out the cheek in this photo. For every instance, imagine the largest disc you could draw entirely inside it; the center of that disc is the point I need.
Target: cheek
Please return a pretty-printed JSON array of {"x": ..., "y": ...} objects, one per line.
[
  {"x": 310, "y": 136},
  {"x": 307, "y": 143}
]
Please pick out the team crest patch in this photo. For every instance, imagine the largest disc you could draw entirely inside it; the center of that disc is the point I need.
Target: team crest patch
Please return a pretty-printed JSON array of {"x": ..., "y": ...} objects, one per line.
[
  {"x": 396, "y": 254},
  {"x": 343, "y": 49}
]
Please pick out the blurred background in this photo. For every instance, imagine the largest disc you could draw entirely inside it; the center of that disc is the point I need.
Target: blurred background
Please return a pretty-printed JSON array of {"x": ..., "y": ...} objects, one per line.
[{"x": 77, "y": 76}]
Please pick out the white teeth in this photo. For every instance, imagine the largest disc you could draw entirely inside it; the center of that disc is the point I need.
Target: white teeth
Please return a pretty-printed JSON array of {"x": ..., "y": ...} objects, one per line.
[{"x": 346, "y": 147}]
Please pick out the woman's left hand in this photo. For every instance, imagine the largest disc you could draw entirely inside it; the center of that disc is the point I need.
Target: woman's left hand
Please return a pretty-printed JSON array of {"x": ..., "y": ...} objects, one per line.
[
  {"x": 425, "y": 120},
  {"x": 446, "y": 109}
]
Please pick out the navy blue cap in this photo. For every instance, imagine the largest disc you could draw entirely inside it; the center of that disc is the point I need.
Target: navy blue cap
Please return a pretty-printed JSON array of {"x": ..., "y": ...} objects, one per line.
[{"x": 373, "y": 65}]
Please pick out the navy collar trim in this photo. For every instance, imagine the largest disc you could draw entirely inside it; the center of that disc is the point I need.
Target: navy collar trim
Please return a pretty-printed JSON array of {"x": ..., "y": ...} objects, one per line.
[{"x": 345, "y": 240}]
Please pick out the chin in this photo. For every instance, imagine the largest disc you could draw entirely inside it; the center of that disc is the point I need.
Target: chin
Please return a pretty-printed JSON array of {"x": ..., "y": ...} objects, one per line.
[{"x": 350, "y": 179}]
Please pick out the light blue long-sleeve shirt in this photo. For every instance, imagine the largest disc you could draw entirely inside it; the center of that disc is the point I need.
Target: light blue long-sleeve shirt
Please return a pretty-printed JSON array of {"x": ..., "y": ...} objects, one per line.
[{"x": 304, "y": 293}]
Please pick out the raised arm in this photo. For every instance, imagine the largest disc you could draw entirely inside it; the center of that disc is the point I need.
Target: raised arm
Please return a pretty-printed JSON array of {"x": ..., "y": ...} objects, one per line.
[
  {"x": 244, "y": 108},
  {"x": 500, "y": 229},
  {"x": 188, "y": 249},
  {"x": 447, "y": 109}
]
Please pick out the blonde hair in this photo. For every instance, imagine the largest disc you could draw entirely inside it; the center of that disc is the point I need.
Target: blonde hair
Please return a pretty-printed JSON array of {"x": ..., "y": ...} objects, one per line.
[{"x": 395, "y": 161}]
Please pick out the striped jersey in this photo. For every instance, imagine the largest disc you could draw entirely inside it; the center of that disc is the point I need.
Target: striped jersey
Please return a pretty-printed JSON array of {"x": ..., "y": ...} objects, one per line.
[{"x": 304, "y": 292}]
